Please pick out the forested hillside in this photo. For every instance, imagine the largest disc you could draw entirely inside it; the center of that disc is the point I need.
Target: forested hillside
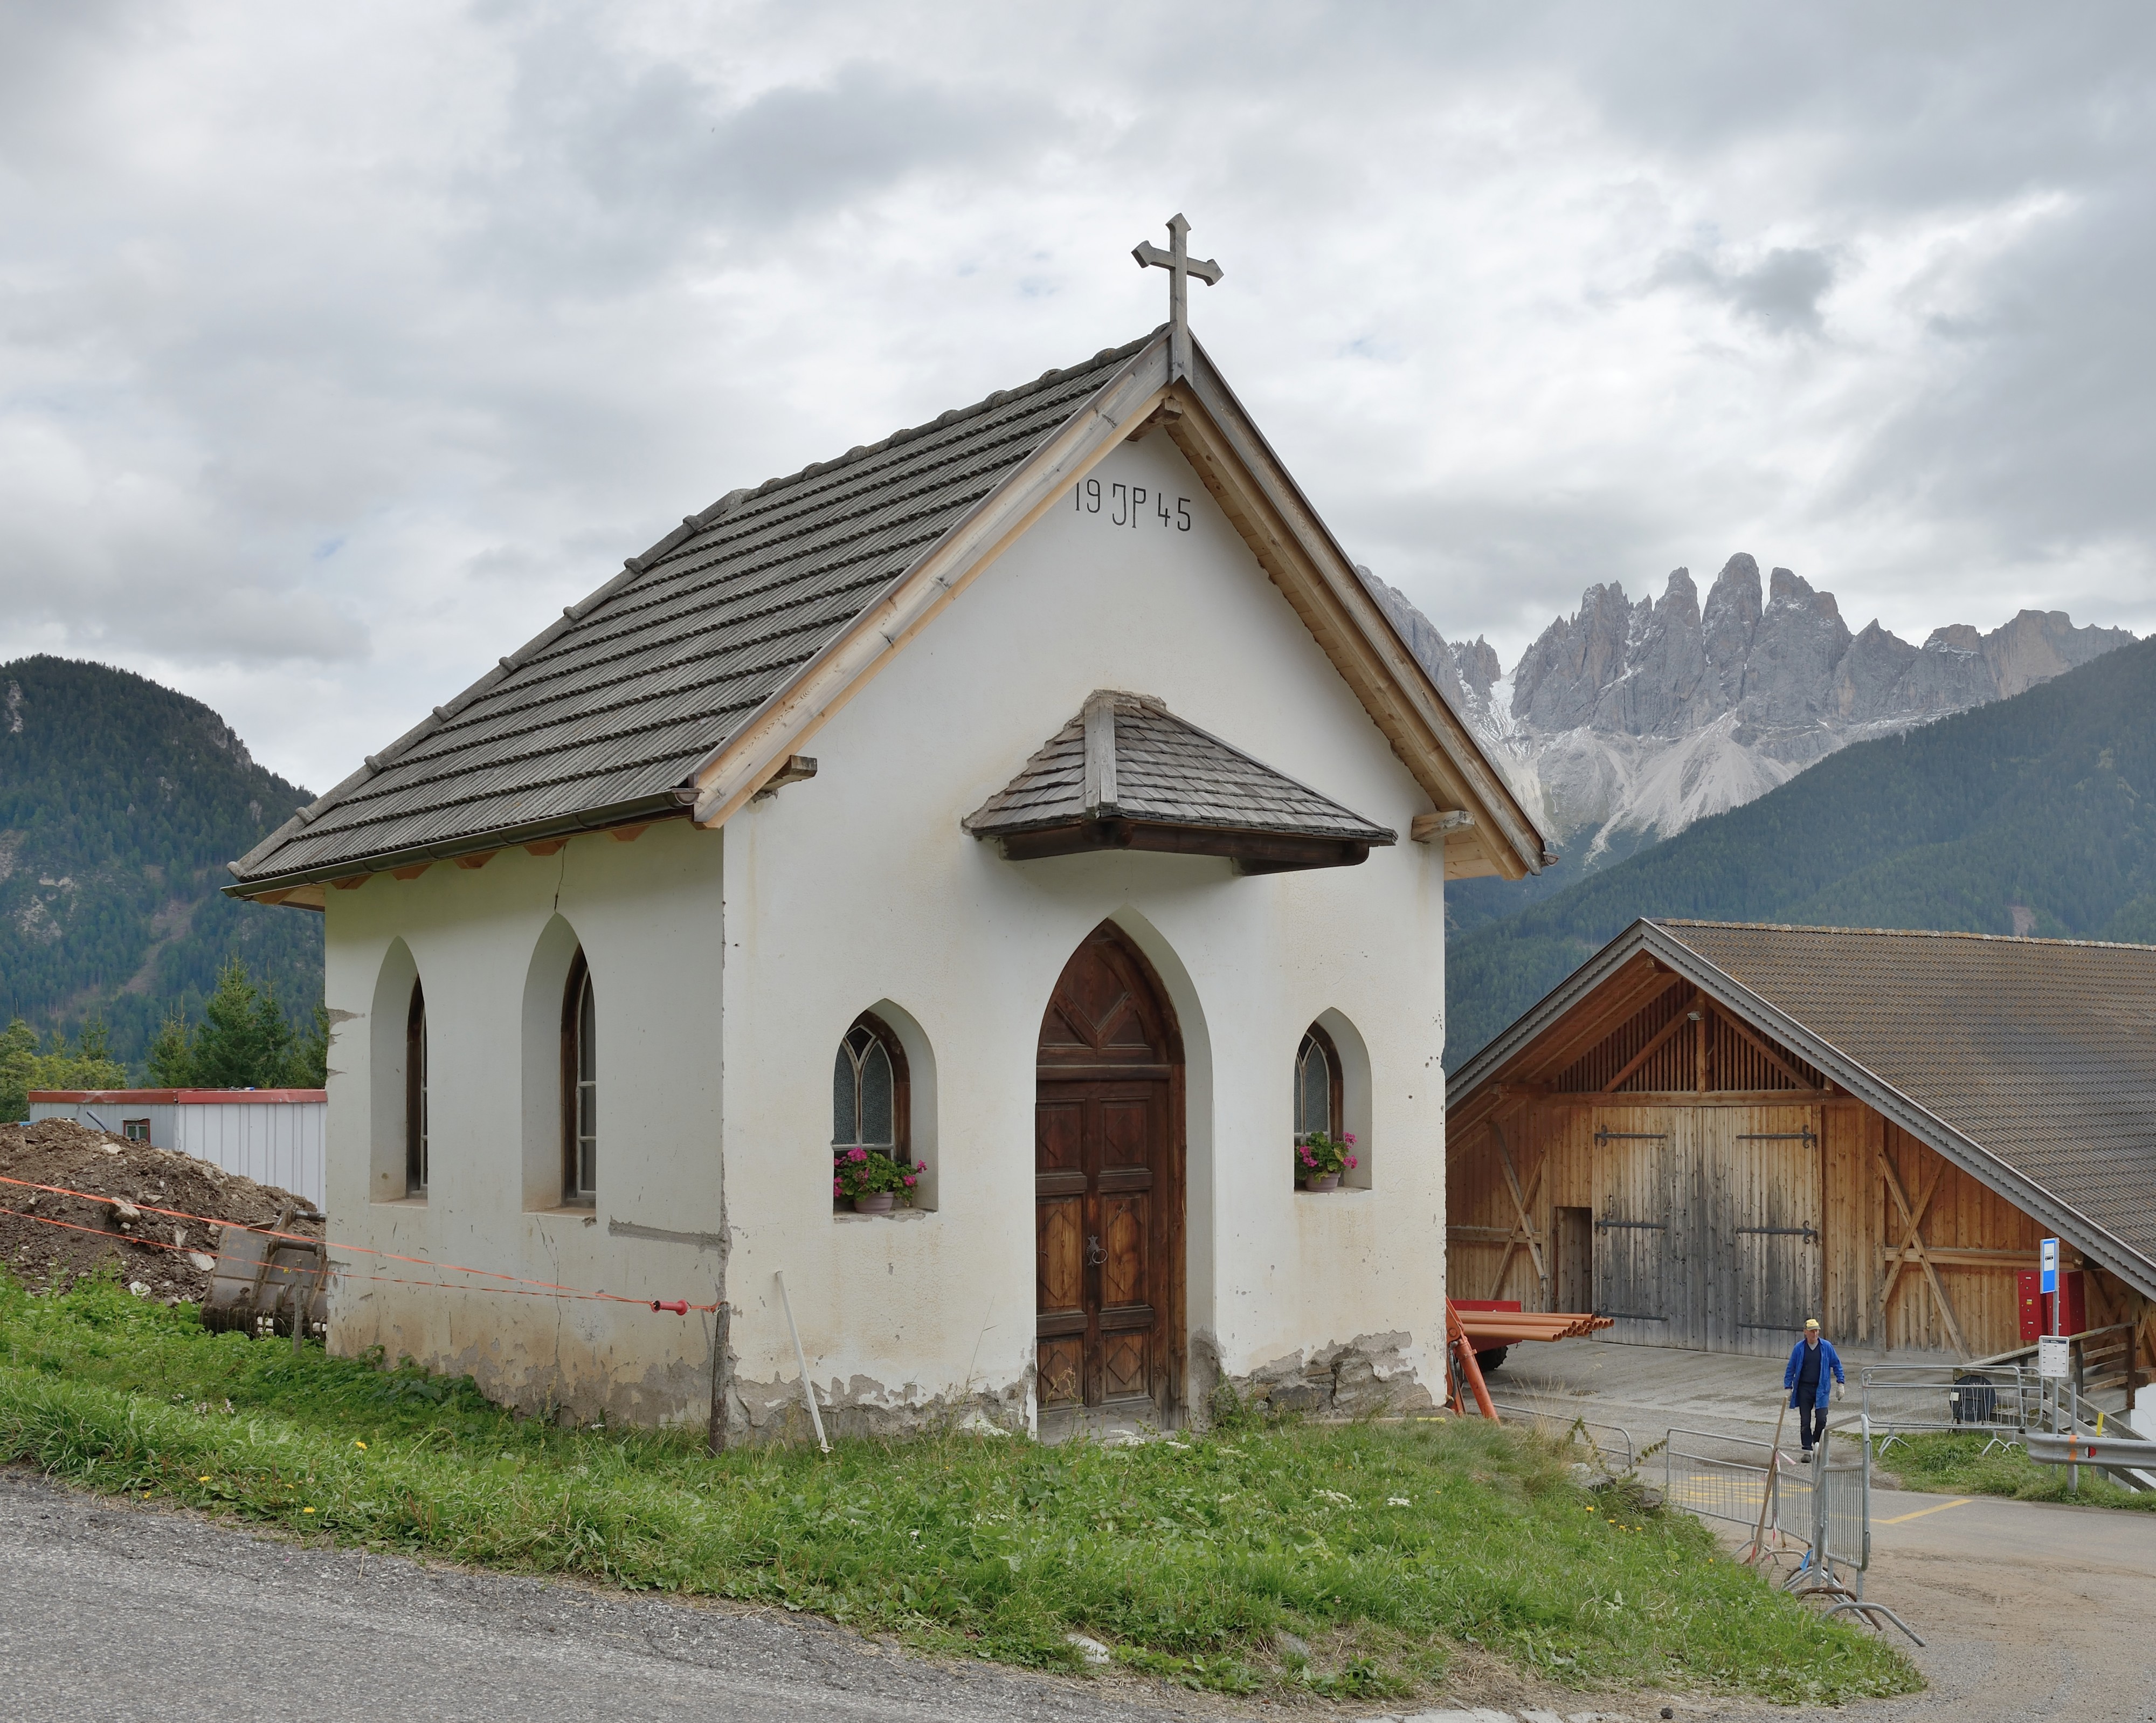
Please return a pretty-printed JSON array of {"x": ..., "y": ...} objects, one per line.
[
  {"x": 120, "y": 802},
  {"x": 2035, "y": 814}
]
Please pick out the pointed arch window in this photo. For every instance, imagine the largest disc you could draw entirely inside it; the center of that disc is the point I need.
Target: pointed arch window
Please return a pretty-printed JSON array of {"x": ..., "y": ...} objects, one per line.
[
  {"x": 1318, "y": 1091},
  {"x": 870, "y": 1098},
  {"x": 415, "y": 1094},
  {"x": 580, "y": 1086}
]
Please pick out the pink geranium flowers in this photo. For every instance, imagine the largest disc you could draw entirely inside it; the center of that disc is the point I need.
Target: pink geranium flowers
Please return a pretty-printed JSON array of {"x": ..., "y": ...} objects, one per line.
[
  {"x": 1320, "y": 1154},
  {"x": 860, "y": 1172}
]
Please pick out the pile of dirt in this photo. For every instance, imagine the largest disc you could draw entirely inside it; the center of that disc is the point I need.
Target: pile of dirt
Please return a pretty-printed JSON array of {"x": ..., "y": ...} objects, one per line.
[{"x": 159, "y": 1256}]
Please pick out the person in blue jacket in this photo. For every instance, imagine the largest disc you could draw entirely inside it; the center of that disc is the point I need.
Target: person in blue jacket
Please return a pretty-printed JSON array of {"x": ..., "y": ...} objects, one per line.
[{"x": 1813, "y": 1373}]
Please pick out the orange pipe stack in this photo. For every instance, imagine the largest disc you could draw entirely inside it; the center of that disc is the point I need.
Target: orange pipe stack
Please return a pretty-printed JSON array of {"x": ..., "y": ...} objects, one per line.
[
  {"x": 1490, "y": 1329},
  {"x": 1463, "y": 1354}
]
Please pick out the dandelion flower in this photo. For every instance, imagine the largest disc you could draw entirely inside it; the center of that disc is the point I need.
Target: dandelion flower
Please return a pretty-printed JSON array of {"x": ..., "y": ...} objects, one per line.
[
  {"x": 360, "y": 1445},
  {"x": 306, "y": 1511}
]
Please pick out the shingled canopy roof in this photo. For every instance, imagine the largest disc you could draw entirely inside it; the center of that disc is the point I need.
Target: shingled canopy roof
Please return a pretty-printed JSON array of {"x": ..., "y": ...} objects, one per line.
[
  {"x": 2030, "y": 1063},
  {"x": 679, "y": 685},
  {"x": 1127, "y": 774}
]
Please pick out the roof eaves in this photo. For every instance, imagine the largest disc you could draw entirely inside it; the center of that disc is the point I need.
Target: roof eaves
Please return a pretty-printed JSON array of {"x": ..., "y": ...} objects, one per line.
[
  {"x": 1509, "y": 1043},
  {"x": 667, "y": 804}
]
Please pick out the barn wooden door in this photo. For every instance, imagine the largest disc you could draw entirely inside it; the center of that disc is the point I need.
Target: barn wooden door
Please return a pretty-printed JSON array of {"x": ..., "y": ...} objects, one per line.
[
  {"x": 1108, "y": 1191},
  {"x": 1634, "y": 1151},
  {"x": 1763, "y": 1165}
]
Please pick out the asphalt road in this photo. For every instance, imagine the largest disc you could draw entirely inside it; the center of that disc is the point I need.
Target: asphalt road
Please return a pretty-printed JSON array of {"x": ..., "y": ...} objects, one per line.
[{"x": 111, "y": 1611}]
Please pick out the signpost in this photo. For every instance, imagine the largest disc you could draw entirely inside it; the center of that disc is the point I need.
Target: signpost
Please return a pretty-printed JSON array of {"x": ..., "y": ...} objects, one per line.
[{"x": 2054, "y": 1357}]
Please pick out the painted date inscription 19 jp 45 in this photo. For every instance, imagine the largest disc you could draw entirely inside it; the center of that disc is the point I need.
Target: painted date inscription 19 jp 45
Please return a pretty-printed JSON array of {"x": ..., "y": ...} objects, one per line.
[{"x": 1127, "y": 505}]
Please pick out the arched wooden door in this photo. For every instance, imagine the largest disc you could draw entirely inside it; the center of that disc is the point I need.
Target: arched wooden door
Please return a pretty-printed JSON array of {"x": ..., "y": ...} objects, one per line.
[{"x": 1108, "y": 1191}]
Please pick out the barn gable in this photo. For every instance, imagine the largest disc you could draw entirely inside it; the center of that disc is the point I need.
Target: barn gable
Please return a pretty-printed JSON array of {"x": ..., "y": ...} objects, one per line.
[{"x": 1712, "y": 1130}]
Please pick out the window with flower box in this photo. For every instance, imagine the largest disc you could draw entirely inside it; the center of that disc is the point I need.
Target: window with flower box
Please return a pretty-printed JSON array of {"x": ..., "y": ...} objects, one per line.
[
  {"x": 871, "y": 1118},
  {"x": 1327, "y": 1153}
]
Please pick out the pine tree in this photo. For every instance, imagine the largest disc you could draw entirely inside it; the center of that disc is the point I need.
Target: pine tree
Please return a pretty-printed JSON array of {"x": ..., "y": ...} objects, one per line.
[
  {"x": 237, "y": 1047},
  {"x": 307, "y": 1066},
  {"x": 23, "y": 1068},
  {"x": 18, "y": 1050},
  {"x": 171, "y": 1057}
]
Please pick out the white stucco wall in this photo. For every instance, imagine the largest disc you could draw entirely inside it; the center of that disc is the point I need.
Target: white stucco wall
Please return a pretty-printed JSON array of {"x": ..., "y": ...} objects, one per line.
[
  {"x": 859, "y": 887},
  {"x": 748, "y": 953},
  {"x": 648, "y": 915}
]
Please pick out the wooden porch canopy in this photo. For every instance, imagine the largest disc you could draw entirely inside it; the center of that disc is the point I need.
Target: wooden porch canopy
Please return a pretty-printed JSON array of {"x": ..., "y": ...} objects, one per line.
[{"x": 1127, "y": 774}]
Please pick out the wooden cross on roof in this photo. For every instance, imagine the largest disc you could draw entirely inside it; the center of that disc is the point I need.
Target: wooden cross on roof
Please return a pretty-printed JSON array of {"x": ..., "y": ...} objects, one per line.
[{"x": 1180, "y": 265}]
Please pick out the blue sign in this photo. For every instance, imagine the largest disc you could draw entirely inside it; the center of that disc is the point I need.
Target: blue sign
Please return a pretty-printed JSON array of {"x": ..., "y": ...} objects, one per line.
[{"x": 2049, "y": 1260}]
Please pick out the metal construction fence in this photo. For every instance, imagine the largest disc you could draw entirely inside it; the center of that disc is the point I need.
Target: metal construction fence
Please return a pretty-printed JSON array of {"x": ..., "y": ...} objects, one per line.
[
  {"x": 1813, "y": 1514},
  {"x": 1998, "y": 1400}
]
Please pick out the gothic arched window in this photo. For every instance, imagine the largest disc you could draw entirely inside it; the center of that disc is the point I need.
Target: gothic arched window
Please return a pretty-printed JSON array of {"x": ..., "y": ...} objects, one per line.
[
  {"x": 580, "y": 1086},
  {"x": 1317, "y": 1086},
  {"x": 415, "y": 1094},
  {"x": 869, "y": 1090}
]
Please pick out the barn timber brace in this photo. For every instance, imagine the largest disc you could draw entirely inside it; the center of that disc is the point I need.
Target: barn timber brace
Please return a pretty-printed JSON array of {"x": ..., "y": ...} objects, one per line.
[{"x": 1523, "y": 1233}]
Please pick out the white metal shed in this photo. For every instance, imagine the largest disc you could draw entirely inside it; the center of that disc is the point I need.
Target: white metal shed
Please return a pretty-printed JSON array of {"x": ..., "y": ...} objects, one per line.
[{"x": 273, "y": 1136}]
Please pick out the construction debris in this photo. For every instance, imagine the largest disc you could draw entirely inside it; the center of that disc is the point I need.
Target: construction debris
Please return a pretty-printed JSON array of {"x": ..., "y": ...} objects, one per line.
[{"x": 170, "y": 1260}]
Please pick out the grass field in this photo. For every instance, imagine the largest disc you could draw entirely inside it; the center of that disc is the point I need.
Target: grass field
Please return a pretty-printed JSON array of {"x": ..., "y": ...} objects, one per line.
[
  {"x": 1381, "y": 1548},
  {"x": 1948, "y": 1465}
]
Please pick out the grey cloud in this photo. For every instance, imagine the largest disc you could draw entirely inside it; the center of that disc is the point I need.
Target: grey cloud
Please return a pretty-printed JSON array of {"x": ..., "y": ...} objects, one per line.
[
  {"x": 1780, "y": 293},
  {"x": 491, "y": 340},
  {"x": 621, "y": 167}
]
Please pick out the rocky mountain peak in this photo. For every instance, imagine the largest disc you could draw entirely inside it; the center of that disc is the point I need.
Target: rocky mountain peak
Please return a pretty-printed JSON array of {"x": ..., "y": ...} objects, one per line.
[{"x": 1642, "y": 716}]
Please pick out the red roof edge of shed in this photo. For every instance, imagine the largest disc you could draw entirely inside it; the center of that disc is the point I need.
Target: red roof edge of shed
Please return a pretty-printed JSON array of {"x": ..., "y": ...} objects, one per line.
[{"x": 178, "y": 1097}]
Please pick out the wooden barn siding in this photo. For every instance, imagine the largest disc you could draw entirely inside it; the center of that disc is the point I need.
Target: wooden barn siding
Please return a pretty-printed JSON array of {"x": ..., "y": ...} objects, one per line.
[
  {"x": 1552, "y": 1140},
  {"x": 1962, "y": 1215}
]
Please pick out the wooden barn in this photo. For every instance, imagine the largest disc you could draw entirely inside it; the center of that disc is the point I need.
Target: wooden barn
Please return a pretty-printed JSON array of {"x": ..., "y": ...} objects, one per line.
[{"x": 1711, "y": 1131}]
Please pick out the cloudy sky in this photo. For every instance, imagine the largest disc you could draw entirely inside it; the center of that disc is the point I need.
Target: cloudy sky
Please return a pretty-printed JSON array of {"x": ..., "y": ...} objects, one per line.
[{"x": 339, "y": 346}]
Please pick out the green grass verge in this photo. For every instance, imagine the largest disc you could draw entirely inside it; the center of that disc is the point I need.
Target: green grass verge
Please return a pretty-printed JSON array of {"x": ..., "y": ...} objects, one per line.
[
  {"x": 1382, "y": 1548},
  {"x": 1948, "y": 1465}
]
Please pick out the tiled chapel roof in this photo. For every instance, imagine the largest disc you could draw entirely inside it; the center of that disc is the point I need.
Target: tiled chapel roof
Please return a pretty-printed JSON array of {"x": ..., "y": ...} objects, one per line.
[{"x": 605, "y": 715}]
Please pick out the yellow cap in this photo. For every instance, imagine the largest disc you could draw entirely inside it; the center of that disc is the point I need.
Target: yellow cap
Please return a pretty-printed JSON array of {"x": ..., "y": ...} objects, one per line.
[{"x": 1811, "y": 1322}]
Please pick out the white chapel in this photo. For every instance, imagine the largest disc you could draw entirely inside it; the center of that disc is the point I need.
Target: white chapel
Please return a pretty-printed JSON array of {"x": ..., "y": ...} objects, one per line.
[{"x": 1034, "y": 805}]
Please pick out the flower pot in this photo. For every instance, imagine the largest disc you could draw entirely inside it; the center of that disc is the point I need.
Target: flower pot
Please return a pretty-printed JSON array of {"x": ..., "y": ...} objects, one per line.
[
  {"x": 1330, "y": 1181},
  {"x": 876, "y": 1202}
]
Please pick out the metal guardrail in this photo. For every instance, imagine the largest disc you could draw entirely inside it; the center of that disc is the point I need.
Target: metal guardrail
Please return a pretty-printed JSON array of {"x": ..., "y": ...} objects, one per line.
[{"x": 1732, "y": 1479}]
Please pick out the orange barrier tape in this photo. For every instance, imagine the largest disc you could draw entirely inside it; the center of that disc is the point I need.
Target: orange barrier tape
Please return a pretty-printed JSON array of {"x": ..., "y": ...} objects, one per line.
[{"x": 681, "y": 1306}]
